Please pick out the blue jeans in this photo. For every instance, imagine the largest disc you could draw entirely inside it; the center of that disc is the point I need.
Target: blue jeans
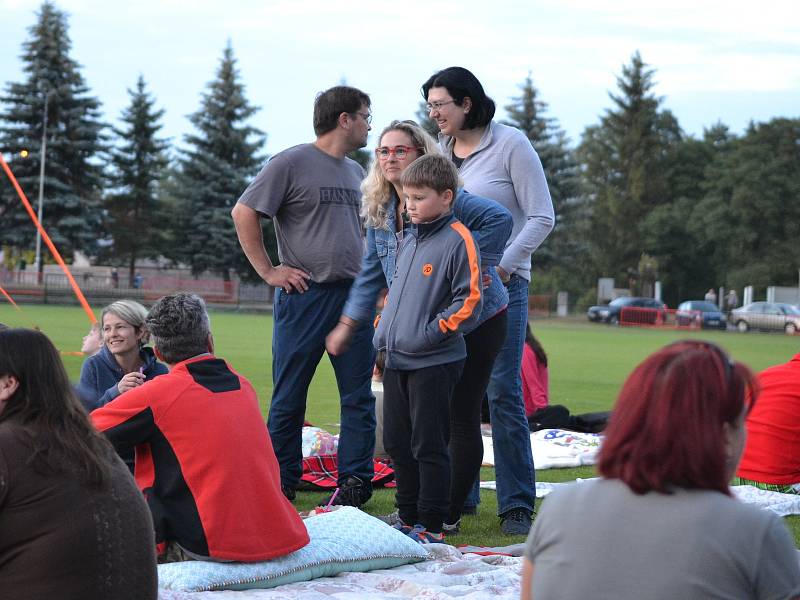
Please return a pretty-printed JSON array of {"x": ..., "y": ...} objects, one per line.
[
  {"x": 301, "y": 322},
  {"x": 511, "y": 436}
]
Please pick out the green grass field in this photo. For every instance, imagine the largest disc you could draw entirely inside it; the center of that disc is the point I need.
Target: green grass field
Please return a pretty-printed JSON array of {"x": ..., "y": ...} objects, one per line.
[{"x": 588, "y": 364}]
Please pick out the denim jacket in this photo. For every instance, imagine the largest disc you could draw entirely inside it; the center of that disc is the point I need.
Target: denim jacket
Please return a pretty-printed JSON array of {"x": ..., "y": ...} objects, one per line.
[{"x": 488, "y": 221}]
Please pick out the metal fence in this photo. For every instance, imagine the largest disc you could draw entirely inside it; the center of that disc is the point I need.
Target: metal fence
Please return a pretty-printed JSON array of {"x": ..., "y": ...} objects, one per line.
[{"x": 55, "y": 288}]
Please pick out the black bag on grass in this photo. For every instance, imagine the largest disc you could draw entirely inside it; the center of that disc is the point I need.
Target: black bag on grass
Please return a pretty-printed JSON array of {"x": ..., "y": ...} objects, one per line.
[
  {"x": 557, "y": 416},
  {"x": 554, "y": 416}
]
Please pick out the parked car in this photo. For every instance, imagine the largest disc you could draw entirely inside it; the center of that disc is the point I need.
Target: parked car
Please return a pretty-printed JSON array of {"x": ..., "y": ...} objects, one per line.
[
  {"x": 775, "y": 316},
  {"x": 610, "y": 313},
  {"x": 706, "y": 314}
]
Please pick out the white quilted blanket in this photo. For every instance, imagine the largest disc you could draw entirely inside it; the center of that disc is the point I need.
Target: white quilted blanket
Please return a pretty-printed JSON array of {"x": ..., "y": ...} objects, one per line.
[
  {"x": 450, "y": 575},
  {"x": 555, "y": 448},
  {"x": 782, "y": 505}
]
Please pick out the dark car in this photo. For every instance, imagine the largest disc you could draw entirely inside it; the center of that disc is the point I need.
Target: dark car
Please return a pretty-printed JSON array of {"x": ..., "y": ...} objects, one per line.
[
  {"x": 706, "y": 314},
  {"x": 610, "y": 313},
  {"x": 775, "y": 316}
]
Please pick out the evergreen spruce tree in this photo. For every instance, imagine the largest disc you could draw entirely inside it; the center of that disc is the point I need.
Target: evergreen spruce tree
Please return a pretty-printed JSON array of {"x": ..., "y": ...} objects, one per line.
[
  {"x": 221, "y": 159},
  {"x": 625, "y": 161},
  {"x": 361, "y": 156},
  {"x": 558, "y": 262},
  {"x": 134, "y": 215},
  {"x": 73, "y": 178}
]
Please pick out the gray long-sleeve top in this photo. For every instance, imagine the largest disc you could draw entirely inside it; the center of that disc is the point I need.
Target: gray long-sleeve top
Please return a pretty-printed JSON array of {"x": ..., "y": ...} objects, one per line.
[{"x": 505, "y": 167}]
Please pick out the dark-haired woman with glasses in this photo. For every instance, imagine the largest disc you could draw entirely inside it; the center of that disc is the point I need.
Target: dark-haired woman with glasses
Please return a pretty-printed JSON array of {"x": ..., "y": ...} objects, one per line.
[
  {"x": 661, "y": 521},
  {"x": 73, "y": 524},
  {"x": 498, "y": 162},
  {"x": 400, "y": 144}
]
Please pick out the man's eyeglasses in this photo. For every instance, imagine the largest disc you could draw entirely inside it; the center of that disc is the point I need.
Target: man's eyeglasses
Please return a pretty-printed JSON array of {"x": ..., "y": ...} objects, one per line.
[
  {"x": 384, "y": 152},
  {"x": 437, "y": 106},
  {"x": 367, "y": 117}
]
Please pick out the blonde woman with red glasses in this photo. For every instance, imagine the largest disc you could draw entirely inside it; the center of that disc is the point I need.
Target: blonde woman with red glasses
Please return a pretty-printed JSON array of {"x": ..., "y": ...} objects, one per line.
[{"x": 400, "y": 144}]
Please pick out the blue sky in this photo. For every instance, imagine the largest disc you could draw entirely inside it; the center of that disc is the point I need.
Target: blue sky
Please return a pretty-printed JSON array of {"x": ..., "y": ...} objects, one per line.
[{"x": 731, "y": 61}]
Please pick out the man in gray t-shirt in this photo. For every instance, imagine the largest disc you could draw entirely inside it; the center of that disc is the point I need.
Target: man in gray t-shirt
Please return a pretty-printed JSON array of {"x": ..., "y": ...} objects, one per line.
[
  {"x": 312, "y": 194},
  {"x": 314, "y": 200}
]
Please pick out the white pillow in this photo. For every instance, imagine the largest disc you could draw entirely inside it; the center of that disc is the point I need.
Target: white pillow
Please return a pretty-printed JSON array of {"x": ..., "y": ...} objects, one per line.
[{"x": 346, "y": 539}]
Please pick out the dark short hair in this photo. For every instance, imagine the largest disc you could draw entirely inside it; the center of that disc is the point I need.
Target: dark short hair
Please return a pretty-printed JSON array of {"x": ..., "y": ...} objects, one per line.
[
  {"x": 332, "y": 103},
  {"x": 666, "y": 429},
  {"x": 180, "y": 327},
  {"x": 460, "y": 83},
  {"x": 434, "y": 171}
]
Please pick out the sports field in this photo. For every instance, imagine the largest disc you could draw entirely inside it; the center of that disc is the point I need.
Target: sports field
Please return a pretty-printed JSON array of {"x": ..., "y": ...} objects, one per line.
[{"x": 588, "y": 363}]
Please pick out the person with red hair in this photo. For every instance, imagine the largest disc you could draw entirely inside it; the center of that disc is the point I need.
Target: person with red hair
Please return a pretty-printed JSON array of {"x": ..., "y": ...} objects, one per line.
[{"x": 661, "y": 521}]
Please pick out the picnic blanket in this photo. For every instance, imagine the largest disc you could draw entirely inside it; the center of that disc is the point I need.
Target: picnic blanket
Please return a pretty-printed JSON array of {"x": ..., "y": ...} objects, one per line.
[
  {"x": 780, "y": 504},
  {"x": 449, "y": 575},
  {"x": 320, "y": 463},
  {"x": 323, "y": 472},
  {"x": 555, "y": 448}
]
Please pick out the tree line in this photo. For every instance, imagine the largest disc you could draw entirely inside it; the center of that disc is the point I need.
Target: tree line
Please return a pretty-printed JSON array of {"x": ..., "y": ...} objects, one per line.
[{"x": 636, "y": 198}]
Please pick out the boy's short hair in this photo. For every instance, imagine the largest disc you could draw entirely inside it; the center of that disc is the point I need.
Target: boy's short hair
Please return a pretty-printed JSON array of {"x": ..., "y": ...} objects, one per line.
[{"x": 434, "y": 171}]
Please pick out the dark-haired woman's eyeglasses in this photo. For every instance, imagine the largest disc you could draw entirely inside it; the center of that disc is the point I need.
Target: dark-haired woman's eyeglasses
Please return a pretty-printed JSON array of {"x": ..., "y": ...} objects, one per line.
[
  {"x": 384, "y": 152},
  {"x": 437, "y": 106}
]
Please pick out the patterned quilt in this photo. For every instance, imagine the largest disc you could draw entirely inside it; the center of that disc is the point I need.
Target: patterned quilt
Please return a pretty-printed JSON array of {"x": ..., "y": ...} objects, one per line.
[{"x": 449, "y": 575}]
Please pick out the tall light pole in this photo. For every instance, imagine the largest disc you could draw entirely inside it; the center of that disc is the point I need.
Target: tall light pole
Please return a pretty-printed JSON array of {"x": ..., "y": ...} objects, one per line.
[{"x": 41, "y": 190}]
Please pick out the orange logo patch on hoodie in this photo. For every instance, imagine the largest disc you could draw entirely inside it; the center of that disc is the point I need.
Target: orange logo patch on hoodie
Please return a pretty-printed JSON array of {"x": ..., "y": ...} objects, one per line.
[{"x": 427, "y": 269}]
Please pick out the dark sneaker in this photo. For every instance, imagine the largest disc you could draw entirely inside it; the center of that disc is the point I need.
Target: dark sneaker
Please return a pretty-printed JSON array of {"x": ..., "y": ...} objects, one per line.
[
  {"x": 423, "y": 536},
  {"x": 516, "y": 521},
  {"x": 452, "y": 528},
  {"x": 288, "y": 492},
  {"x": 353, "y": 492}
]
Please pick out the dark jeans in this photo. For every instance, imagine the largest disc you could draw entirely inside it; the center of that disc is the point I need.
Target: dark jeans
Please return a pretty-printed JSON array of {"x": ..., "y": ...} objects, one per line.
[
  {"x": 514, "y": 470},
  {"x": 416, "y": 428},
  {"x": 466, "y": 446},
  {"x": 301, "y": 322}
]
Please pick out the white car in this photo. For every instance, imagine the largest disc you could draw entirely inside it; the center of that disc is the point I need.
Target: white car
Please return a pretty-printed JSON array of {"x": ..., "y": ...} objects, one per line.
[{"x": 773, "y": 316}]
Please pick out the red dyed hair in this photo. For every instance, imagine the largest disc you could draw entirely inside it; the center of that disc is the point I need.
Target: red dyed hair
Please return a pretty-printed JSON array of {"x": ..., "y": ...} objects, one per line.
[{"x": 666, "y": 428}]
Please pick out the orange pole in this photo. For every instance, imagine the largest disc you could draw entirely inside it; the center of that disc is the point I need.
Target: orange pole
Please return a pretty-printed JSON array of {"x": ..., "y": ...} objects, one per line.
[
  {"x": 10, "y": 299},
  {"x": 78, "y": 293}
]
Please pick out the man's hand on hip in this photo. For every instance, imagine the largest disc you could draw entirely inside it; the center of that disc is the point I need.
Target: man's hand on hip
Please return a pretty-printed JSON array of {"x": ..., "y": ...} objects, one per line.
[{"x": 288, "y": 278}]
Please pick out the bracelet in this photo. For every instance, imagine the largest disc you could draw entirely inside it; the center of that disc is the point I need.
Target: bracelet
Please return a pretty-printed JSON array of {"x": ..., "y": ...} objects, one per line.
[{"x": 347, "y": 324}]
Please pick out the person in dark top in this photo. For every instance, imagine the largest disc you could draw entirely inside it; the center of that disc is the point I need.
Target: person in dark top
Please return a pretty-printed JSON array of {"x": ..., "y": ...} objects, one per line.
[{"x": 73, "y": 525}]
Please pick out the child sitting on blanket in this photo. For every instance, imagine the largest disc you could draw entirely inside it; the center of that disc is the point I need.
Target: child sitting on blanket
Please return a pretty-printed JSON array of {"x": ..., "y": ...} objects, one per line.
[{"x": 435, "y": 294}]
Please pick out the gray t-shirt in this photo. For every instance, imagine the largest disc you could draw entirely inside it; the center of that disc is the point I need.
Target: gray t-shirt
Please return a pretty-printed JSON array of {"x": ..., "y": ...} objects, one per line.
[
  {"x": 599, "y": 540},
  {"x": 314, "y": 200}
]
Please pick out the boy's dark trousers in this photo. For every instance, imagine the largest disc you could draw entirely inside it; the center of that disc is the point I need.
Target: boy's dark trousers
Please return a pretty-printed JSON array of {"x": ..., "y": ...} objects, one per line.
[{"x": 416, "y": 432}]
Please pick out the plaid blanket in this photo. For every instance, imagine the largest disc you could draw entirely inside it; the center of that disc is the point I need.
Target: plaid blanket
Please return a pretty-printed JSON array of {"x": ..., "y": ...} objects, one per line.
[{"x": 322, "y": 472}]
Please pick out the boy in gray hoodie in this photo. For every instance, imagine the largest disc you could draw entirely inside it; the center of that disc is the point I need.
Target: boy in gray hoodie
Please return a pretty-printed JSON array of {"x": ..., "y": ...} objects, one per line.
[{"x": 435, "y": 295}]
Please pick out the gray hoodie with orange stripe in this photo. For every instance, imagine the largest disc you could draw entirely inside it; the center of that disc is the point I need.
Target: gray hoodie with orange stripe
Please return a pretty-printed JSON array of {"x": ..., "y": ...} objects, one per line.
[{"x": 435, "y": 295}]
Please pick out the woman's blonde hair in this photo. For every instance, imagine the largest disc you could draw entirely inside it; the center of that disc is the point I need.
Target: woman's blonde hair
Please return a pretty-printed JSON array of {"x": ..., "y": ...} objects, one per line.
[
  {"x": 376, "y": 189},
  {"x": 130, "y": 311}
]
